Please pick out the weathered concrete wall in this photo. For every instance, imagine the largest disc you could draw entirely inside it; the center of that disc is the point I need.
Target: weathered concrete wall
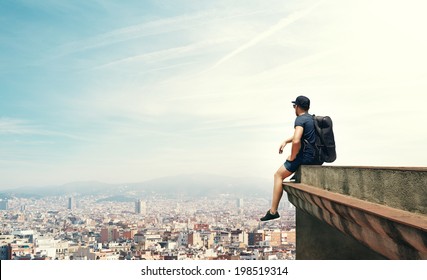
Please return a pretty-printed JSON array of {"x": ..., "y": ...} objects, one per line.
[
  {"x": 396, "y": 187},
  {"x": 348, "y": 209},
  {"x": 319, "y": 241}
]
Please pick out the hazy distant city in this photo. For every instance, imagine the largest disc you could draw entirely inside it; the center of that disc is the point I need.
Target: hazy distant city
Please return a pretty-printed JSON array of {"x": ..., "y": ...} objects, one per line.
[{"x": 92, "y": 221}]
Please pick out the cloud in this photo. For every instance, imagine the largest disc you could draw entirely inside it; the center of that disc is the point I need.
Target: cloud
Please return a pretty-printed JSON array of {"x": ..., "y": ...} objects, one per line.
[
  {"x": 154, "y": 27},
  {"x": 13, "y": 126},
  {"x": 166, "y": 54},
  {"x": 284, "y": 22},
  {"x": 17, "y": 126}
]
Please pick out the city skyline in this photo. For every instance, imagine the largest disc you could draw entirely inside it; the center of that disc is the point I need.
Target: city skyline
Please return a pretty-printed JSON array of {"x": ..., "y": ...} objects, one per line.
[
  {"x": 47, "y": 228},
  {"x": 193, "y": 185},
  {"x": 102, "y": 91}
]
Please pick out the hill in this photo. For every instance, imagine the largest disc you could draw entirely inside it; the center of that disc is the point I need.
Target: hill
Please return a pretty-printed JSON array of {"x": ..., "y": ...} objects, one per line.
[{"x": 193, "y": 185}]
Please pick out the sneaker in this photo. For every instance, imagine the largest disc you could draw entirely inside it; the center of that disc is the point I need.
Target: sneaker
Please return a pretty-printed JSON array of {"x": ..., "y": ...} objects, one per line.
[{"x": 270, "y": 216}]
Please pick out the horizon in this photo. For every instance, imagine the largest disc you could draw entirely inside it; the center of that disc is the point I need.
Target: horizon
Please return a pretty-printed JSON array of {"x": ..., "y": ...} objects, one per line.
[
  {"x": 101, "y": 91},
  {"x": 124, "y": 183},
  {"x": 138, "y": 182}
]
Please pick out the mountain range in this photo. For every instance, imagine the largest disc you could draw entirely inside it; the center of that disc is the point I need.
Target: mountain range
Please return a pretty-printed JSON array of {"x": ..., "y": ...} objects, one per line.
[{"x": 192, "y": 185}]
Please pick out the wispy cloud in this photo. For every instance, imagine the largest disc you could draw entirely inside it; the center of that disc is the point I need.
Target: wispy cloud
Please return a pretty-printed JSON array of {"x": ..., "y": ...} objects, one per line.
[
  {"x": 153, "y": 27},
  {"x": 12, "y": 126},
  {"x": 284, "y": 22},
  {"x": 17, "y": 126},
  {"x": 167, "y": 54}
]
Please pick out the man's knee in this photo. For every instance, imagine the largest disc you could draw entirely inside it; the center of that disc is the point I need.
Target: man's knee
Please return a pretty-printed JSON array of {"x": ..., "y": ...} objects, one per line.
[{"x": 282, "y": 173}]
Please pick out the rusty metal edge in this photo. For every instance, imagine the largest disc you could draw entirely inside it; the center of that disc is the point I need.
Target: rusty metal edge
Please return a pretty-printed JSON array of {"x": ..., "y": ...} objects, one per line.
[{"x": 396, "y": 215}]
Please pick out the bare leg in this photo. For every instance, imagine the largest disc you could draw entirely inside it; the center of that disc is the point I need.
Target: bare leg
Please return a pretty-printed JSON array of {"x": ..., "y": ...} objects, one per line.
[{"x": 279, "y": 176}]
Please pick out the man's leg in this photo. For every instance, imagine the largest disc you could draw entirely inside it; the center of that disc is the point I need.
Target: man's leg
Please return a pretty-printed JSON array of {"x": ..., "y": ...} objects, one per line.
[{"x": 279, "y": 176}]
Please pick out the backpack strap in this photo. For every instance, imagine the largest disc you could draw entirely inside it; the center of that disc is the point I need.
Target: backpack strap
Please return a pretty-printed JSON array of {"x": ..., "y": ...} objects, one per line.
[{"x": 319, "y": 140}]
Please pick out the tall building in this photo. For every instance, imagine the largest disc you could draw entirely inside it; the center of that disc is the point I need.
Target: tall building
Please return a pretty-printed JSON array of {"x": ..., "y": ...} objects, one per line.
[
  {"x": 4, "y": 204},
  {"x": 70, "y": 203},
  {"x": 140, "y": 207},
  {"x": 240, "y": 203}
]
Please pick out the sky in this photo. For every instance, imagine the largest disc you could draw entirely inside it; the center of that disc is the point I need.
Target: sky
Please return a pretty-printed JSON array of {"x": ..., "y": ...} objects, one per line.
[{"x": 127, "y": 91}]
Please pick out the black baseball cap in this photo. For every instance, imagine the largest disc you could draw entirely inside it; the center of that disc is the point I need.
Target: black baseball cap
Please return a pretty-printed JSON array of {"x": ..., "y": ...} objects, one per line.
[{"x": 303, "y": 102}]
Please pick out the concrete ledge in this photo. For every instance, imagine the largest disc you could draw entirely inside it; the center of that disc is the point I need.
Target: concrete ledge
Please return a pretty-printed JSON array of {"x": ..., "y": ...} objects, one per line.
[
  {"x": 402, "y": 188},
  {"x": 335, "y": 204}
]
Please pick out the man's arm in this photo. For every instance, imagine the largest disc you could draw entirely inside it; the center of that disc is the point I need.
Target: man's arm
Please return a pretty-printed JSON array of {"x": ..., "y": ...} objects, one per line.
[
  {"x": 296, "y": 142},
  {"x": 287, "y": 141}
]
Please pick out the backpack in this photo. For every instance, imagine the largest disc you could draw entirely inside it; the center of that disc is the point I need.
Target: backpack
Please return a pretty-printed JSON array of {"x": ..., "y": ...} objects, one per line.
[{"x": 325, "y": 141}]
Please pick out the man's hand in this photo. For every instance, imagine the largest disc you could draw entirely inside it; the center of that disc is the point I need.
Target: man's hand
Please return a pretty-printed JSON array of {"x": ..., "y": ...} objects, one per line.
[
  {"x": 290, "y": 158},
  {"x": 282, "y": 146}
]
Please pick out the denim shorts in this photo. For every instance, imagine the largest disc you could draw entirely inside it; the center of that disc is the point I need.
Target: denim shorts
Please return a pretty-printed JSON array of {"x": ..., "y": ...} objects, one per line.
[{"x": 292, "y": 166}]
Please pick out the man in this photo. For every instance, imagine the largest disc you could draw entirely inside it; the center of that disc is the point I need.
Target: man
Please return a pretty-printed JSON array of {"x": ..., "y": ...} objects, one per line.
[{"x": 302, "y": 152}]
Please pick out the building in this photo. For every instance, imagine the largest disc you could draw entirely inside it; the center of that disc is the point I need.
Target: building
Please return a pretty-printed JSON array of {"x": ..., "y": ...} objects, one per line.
[
  {"x": 4, "y": 204},
  {"x": 71, "y": 203},
  {"x": 195, "y": 239},
  {"x": 290, "y": 237},
  {"x": 255, "y": 238},
  {"x": 208, "y": 239},
  {"x": 140, "y": 207},
  {"x": 4, "y": 252},
  {"x": 224, "y": 237},
  {"x": 238, "y": 236},
  {"x": 276, "y": 238},
  {"x": 45, "y": 246},
  {"x": 129, "y": 234},
  {"x": 5, "y": 240},
  {"x": 183, "y": 239},
  {"x": 139, "y": 238},
  {"x": 199, "y": 227},
  {"x": 109, "y": 234},
  {"x": 27, "y": 235},
  {"x": 20, "y": 251},
  {"x": 152, "y": 241},
  {"x": 249, "y": 255},
  {"x": 86, "y": 253},
  {"x": 240, "y": 203}
]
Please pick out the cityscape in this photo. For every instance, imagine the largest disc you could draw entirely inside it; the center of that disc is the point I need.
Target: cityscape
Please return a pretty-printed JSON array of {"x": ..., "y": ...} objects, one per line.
[{"x": 155, "y": 227}]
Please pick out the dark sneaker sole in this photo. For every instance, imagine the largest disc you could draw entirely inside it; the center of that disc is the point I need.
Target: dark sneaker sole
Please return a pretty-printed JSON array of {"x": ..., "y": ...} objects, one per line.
[{"x": 270, "y": 219}]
